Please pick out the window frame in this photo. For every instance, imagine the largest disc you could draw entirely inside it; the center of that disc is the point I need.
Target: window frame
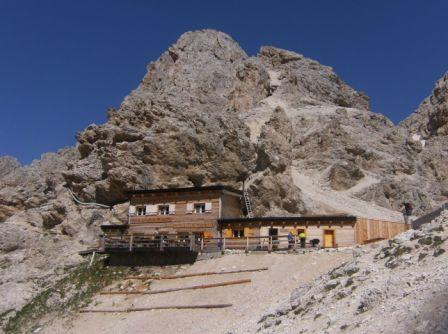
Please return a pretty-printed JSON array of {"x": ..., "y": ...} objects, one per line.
[
  {"x": 140, "y": 210},
  {"x": 163, "y": 209},
  {"x": 201, "y": 206}
]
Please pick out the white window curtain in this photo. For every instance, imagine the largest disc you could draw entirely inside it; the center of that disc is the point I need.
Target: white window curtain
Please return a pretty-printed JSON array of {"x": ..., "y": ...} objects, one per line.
[
  {"x": 190, "y": 207},
  {"x": 172, "y": 209},
  {"x": 131, "y": 210},
  {"x": 151, "y": 210},
  {"x": 208, "y": 207}
]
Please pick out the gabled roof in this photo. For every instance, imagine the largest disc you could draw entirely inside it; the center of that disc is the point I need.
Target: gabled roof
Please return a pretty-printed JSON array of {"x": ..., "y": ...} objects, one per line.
[{"x": 186, "y": 189}]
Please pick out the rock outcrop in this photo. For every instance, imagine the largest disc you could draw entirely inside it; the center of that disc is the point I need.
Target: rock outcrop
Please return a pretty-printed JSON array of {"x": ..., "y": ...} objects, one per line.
[
  {"x": 207, "y": 113},
  {"x": 427, "y": 138},
  {"x": 431, "y": 118}
]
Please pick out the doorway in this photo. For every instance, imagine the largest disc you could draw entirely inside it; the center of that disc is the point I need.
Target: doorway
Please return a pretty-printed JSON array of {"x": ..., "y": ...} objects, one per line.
[
  {"x": 329, "y": 238},
  {"x": 273, "y": 233}
]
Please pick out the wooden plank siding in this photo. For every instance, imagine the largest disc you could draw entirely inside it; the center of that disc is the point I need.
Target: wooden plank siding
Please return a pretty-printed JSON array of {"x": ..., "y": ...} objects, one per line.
[
  {"x": 368, "y": 230},
  {"x": 181, "y": 221}
]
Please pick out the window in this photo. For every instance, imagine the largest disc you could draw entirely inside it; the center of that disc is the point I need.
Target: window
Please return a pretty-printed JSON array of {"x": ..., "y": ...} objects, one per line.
[
  {"x": 141, "y": 210},
  {"x": 164, "y": 209},
  {"x": 238, "y": 233},
  {"x": 199, "y": 208}
]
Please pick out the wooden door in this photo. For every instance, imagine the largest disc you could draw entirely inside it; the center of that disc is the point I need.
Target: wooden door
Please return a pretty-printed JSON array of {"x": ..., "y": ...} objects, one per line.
[{"x": 328, "y": 238}]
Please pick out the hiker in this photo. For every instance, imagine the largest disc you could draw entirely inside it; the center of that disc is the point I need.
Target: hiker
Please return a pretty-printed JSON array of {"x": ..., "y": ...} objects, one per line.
[
  {"x": 407, "y": 209},
  {"x": 302, "y": 237},
  {"x": 290, "y": 240}
]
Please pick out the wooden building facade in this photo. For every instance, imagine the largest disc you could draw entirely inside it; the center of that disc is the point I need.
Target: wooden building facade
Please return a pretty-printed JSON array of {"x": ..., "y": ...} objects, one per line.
[
  {"x": 182, "y": 210},
  {"x": 330, "y": 230},
  {"x": 215, "y": 214}
]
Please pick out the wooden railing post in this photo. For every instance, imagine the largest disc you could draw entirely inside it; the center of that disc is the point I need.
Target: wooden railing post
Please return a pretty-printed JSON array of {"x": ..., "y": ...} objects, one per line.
[{"x": 191, "y": 238}]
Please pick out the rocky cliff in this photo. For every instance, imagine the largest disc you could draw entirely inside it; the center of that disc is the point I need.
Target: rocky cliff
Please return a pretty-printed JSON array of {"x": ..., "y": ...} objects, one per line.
[{"x": 207, "y": 113}]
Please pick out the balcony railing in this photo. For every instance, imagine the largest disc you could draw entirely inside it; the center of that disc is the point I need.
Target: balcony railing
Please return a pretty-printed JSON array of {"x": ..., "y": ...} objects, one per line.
[{"x": 204, "y": 245}]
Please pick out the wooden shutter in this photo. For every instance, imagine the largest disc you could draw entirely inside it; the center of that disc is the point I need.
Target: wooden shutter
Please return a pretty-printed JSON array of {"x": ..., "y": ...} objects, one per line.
[
  {"x": 227, "y": 233},
  {"x": 208, "y": 207},
  {"x": 248, "y": 232},
  {"x": 172, "y": 209},
  {"x": 131, "y": 210},
  {"x": 209, "y": 234},
  {"x": 190, "y": 207},
  {"x": 151, "y": 210}
]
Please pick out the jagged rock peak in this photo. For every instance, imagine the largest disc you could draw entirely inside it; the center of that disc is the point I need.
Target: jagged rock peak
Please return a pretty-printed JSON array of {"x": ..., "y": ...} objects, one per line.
[
  {"x": 207, "y": 40},
  {"x": 198, "y": 72},
  {"x": 431, "y": 117},
  {"x": 309, "y": 81}
]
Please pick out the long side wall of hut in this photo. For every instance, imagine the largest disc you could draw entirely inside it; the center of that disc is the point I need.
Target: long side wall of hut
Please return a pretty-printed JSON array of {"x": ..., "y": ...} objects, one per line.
[{"x": 344, "y": 234}]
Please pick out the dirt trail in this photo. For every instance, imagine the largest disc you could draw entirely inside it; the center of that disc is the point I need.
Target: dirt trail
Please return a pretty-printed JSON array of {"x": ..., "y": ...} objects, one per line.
[{"x": 250, "y": 301}]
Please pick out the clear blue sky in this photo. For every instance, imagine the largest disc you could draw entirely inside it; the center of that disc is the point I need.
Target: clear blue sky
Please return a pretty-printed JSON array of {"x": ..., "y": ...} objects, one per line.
[{"x": 63, "y": 63}]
